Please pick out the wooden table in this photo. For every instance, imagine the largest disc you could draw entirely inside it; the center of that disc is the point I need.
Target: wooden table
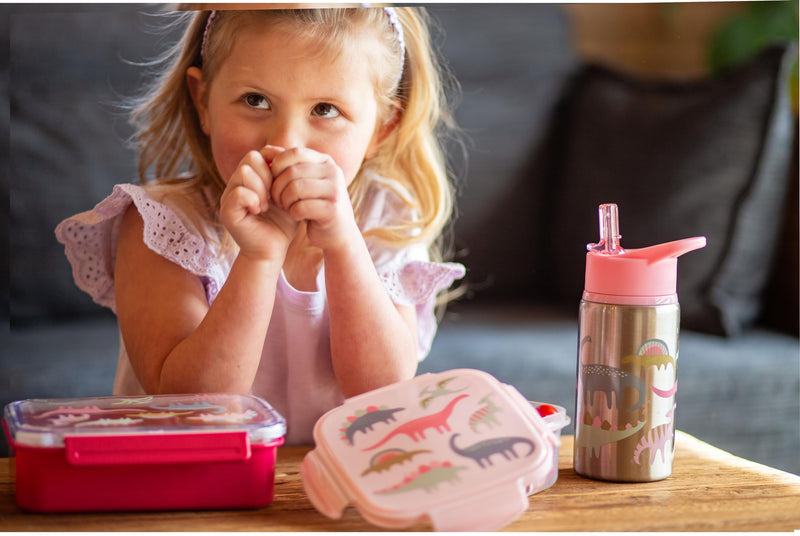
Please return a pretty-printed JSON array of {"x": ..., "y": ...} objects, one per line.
[{"x": 709, "y": 490}]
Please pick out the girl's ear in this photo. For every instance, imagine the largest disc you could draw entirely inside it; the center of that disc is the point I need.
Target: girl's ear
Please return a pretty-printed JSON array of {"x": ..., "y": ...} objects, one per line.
[
  {"x": 384, "y": 129},
  {"x": 197, "y": 89}
]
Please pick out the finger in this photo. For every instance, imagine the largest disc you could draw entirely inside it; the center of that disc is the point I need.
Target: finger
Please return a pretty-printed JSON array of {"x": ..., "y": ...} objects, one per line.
[
  {"x": 269, "y": 152},
  {"x": 312, "y": 210},
  {"x": 254, "y": 188},
  {"x": 239, "y": 196},
  {"x": 236, "y": 204},
  {"x": 290, "y": 157},
  {"x": 253, "y": 174},
  {"x": 295, "y": 185},
  {"x": 304, "y": 179}
]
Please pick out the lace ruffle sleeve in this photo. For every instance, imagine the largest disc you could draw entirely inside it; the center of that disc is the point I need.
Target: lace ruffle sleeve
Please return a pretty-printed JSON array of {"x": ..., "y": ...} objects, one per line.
[
  {"x": 408, "y": 275},
  {"x": 90, "y": 243},
  {"x": 415, "y": 282}
]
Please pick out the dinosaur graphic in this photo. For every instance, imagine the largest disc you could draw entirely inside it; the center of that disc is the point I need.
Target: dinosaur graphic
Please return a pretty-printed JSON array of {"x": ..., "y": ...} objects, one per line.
[
  {"x": 653, "y": 347},
  {"x": 194, "y": 406},
  {"x": 363, "y": 422},
  {"x": 431, "y": 393},
  {"x": 225, "y": 418},
  {"x": 157, "y": 415},
  {"x": 585, "y": 340},
  {"x": 66, "y": 420},
  {"x": 610, "y": 380},
  {"x": 486, "y": 415},
  {"x": 482, "y": 451},
  {"x": 129, "y": 401},
  {"x": 656, "y": 439},
  {"x": 665, "y": 394},
  {"x": 427, "y": 477},
  {"x": 415, "y": 429},
  {"x": 385, "y": 459},
  {"x": 651, "y": 353},
  {"x": 648, "y": 360},
  {"x": 123, "y": 421},
  {"x": 594, "y": 437},
  {"x": 87, "y": 410}
]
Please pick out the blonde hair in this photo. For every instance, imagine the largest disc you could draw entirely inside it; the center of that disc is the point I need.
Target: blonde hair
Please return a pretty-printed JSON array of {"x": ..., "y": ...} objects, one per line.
[{"x": 176, "y": 155}]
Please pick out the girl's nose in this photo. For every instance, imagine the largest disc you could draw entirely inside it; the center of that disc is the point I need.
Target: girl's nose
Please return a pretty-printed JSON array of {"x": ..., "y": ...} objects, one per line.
[{"x": 288, "y": 133}]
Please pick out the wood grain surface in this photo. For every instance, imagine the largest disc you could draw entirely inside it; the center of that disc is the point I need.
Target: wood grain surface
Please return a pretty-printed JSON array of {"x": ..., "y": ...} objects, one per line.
[{"x": 709, "y": 490}]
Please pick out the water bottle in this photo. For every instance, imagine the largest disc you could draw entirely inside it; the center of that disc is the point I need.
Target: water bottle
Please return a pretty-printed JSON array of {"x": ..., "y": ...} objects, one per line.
[{"x": 627, "y": 357}]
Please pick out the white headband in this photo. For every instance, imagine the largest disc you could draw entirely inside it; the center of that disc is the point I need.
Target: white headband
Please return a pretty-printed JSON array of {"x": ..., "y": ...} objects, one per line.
[{"x": 390, "y": 12}]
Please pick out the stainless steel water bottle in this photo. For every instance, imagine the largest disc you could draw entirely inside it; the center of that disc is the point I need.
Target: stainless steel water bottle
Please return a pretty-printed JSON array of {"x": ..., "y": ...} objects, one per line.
[{"x": 627, "y": 357}]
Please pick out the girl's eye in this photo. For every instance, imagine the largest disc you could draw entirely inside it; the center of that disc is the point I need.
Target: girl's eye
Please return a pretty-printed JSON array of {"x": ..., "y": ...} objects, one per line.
[
  {"x": 324, "y": 109},
  {"x": 255, "y": 100}
]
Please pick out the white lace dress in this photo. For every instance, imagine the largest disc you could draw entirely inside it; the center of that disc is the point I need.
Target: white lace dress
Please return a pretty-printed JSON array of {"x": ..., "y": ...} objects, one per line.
[{"x": 295, "y": 374}]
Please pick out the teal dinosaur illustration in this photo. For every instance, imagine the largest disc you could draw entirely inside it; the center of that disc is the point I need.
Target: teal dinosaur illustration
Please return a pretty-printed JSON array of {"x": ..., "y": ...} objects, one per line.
[
  {"x": 594, "y": 437},
  {"x": 485, "y": 415},
  {"x": 427, "y": 477},
  {"x": 385, "y": 459},
  {"x": 430, "y": 393}
]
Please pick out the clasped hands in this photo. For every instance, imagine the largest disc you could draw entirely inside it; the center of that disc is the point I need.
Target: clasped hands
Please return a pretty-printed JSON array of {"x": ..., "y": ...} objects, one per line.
[{"x": 274, "y": 189}]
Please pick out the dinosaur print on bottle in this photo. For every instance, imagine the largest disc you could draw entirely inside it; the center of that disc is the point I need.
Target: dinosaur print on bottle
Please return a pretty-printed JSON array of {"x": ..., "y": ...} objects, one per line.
[
  {"x": 595, "y": 436},
  {"x": 610, "y": 380},
  {"x": 415, "y": 429},
  {"x": 627, "y": 419},
  {"x": 656, "y": 439},
  {"x": 651, "y": 353},
  {"x": 482, "y": 451}
]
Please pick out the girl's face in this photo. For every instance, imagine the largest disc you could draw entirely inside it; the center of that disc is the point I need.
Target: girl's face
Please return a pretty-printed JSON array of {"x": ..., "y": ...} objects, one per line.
[{"x": 276, "y": 89}]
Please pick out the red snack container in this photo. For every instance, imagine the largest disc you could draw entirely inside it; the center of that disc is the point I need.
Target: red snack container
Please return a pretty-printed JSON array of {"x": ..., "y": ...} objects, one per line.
[
  {"x": 456, "y": 449},
  {"x": 162, "y": 452}
]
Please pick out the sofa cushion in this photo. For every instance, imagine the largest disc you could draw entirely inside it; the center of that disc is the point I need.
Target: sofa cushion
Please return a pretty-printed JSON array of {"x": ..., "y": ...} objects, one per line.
[
  {"x": 512, "y": 62},
  {"x": 70, "y": 69},
  {"x": 680, "y": 159}
]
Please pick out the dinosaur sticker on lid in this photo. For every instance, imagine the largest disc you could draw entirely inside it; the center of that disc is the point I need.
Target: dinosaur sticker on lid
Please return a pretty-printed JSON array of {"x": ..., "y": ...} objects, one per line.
[{"x": 457, "y": 449}]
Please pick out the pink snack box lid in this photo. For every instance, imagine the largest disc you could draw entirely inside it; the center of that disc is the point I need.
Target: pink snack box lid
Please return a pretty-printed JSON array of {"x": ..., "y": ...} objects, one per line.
[{"x": 456, "y": 448}]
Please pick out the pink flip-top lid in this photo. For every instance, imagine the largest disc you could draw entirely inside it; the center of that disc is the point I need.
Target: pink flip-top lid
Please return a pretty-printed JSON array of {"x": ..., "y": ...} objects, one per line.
[{"x": 616, "y": 275}]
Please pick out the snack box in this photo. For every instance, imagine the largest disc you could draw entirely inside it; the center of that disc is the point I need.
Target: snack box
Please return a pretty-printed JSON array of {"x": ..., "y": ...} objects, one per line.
[
  {"x": 457, "y": 449},
  {"x": 161, "y": 452}
]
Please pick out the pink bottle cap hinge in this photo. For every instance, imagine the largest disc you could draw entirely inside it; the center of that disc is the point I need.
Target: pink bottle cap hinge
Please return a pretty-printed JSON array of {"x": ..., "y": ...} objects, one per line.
[{"x": 645, "y": 276}]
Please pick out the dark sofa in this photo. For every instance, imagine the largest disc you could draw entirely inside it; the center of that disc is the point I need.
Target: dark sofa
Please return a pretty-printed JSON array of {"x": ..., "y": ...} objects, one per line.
[{"x": 548, "y": 139}]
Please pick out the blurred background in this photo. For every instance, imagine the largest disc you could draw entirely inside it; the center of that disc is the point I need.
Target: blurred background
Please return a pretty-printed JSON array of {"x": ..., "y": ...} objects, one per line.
[{"x": 684, "y": 114}]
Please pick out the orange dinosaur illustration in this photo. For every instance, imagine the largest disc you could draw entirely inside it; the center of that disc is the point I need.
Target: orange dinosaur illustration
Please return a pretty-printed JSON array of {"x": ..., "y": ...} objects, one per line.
[{"x": 416, "y": 429}]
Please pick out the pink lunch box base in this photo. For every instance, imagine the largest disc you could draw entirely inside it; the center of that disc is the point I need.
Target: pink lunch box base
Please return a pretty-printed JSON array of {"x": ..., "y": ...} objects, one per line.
[{"x": 52, "y": 484}]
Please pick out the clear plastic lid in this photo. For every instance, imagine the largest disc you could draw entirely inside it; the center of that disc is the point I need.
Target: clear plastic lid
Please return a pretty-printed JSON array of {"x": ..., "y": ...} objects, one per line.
[
  {"x": 554, "y": 416},
  {"x": 46, "y": 422}
]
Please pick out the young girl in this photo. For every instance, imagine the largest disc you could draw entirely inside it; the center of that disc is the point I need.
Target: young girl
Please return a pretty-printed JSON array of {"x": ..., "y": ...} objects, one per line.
[{"x": 282, "y": 247}]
